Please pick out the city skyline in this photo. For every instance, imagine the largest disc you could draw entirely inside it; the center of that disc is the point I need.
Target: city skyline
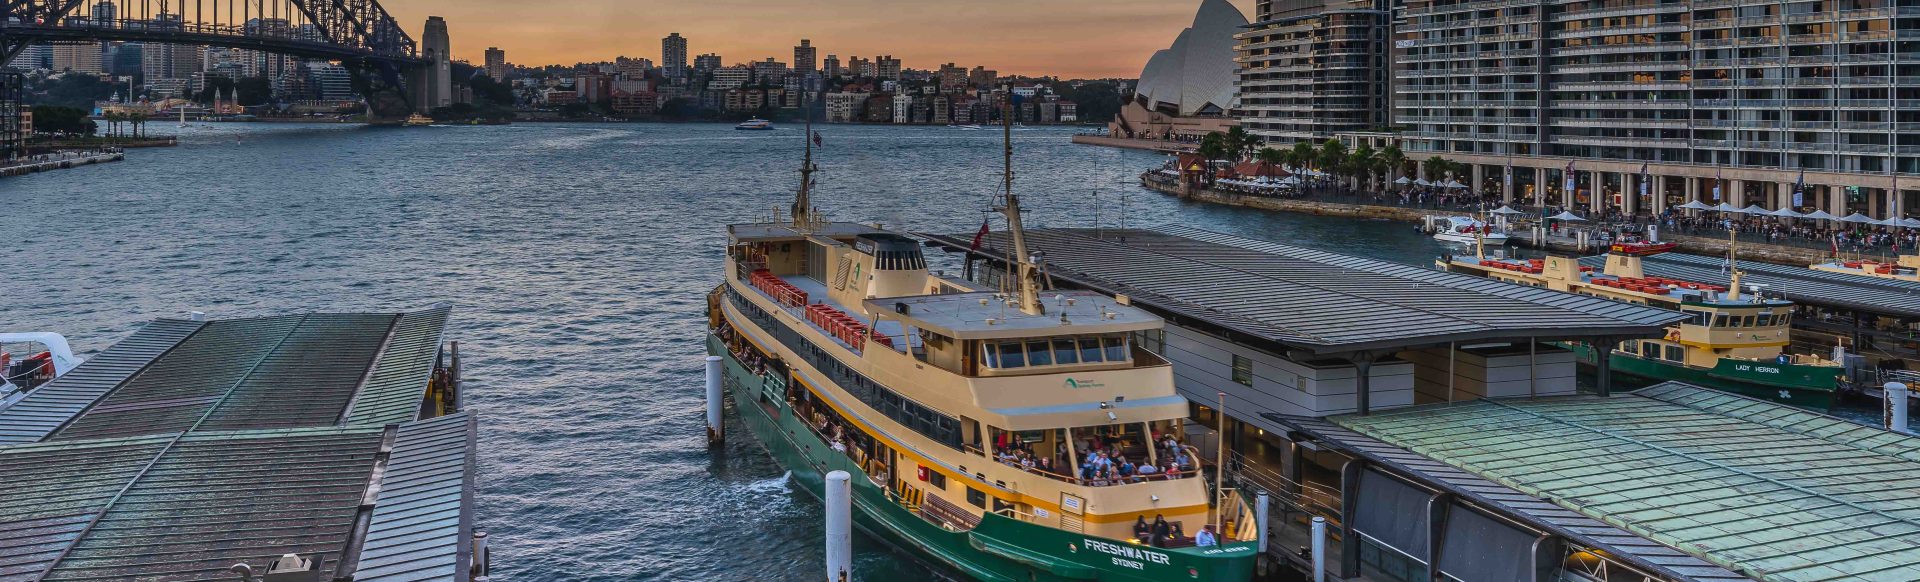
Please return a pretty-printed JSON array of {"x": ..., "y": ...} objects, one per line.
[{"x": 1083, "y": 38}]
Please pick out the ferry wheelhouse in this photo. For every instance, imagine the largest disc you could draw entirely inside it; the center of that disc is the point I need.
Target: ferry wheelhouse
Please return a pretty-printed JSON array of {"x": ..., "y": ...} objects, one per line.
[
  {"x": 1904, "y": 268},
  {"x": 1004, "y": 435},
  {"x": 1734, "y": 341}
]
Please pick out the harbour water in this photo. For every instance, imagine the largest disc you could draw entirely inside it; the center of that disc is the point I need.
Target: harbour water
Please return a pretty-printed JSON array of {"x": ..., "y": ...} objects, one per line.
[{"x": 577, "y": 258}]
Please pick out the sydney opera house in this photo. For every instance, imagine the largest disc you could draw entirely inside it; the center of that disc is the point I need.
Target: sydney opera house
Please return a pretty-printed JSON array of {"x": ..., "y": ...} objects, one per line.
[{"x": 1187, "y": 90}]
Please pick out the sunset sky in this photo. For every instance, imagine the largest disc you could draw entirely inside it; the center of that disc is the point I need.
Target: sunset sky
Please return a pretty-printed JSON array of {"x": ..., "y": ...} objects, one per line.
[{"x": 1068, "y": 38}]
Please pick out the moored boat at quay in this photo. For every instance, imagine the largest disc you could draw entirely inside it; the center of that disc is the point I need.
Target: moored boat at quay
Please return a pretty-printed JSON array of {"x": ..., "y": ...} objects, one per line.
[
  {"x": 1001, "y": 435},
  {"x": 1733, "y": 341}
]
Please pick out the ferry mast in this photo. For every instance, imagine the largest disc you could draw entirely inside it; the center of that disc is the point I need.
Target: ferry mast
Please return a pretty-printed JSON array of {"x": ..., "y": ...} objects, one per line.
[
  {"x": 1027, "y": 272},
  {"x": 802, "y": 210}
]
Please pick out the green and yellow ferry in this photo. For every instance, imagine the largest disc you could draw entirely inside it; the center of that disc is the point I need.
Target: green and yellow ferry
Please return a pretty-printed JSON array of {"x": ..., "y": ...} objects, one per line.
[
  {"x": 1734, "y": 342},
  {"x": 984, "y": 430}
]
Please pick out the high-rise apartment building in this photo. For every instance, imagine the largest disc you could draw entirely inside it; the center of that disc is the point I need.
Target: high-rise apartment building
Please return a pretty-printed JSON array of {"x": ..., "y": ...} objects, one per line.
[
  {"x": 1310, "y": 69},
  {"x": 804, "y": 57},
  {"x": 496, "y": 63},
  {"x": 706, "y": 63},
  {"x": 769, "y": 72},
  {"x": 78, "y": 57},
  {"x": 952, "y": 77},
  {"x": 861, "y": 67},
  {"x": 1736, "y": 97},
  {"x": 673, "y": 56},
  {"x": 831, "y": 66},
  {"x": 730, "y": 77},
  {"x": 632, "y": 68},
  {"x": 887, "y": 68}
]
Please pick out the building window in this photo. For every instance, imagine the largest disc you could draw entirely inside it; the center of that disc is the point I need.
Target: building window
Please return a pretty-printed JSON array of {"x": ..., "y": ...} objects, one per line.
[
  {"x": 977, "y": 497},
  {"x": 1242, "y": 370},
  {"x": 937, "y": 479},
  {"x": 1152, "y": 340}
]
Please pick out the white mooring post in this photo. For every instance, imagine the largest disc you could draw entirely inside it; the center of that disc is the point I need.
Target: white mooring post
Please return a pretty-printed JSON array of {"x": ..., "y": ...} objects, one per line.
[
  {"x": 715, "y": 432},
  {"x": 1260, "y": 520},
  {"x": 839, "y": 526},
  {"x": 1896, "y": 399},
  {"x": 1319, "y": 549}
]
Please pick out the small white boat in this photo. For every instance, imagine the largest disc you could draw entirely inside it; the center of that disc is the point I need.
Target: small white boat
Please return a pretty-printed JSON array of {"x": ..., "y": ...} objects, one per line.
[
  {"x": 755, "y": 124},
  {"x": 1463, "y": 230},
  {"x": 36, "y": 359}
]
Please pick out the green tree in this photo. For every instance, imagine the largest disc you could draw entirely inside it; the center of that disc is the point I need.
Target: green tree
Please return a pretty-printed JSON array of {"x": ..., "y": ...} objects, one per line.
[
  {"x": 1304, "y": 154},
  {"x": 1333, "y": 157},
  {"x": 1237, "y": 142},
  {"x": 252, "y": 91},
  {"x": 1362, "y": 160},
  {"x": 74, "y": 90},
  {"x": 1268, "y": 157},
  {"x": 1395, "y": 159},
  {"x": 1212, "y": 147},
  {"x": 57, "y": 119},
  {"x": 1098, "y": 101}
]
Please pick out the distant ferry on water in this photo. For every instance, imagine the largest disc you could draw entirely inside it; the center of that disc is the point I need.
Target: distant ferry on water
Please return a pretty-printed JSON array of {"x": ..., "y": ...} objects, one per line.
[
  {"x": 755, "y": 124},
  {"x": 1008, "y": 436}
]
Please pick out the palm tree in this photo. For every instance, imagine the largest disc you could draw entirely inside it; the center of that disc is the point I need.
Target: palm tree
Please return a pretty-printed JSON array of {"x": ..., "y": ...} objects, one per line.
[
  {"x": 1212, "y": 147},
  {"x": 1395, "y": 160},
  {"x": 1363, "y": 158},
  {"x": 1304, "y": 154},
  {"x": 1333, "y": 157},
  {"x": 1268, "y": 157}
]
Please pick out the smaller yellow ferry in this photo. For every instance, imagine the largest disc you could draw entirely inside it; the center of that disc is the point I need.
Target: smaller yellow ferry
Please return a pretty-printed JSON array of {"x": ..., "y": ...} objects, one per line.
[
  {"x": 1903, "y": 268},
  {"x": 1734, "y": 341},
  {"x": 1008, "y": 435}
]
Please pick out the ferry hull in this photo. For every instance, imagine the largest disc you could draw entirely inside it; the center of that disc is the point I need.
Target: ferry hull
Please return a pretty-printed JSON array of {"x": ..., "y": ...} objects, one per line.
[
  {"x": 1811, "y": 387},
  {"x": 999, "y": 549}
]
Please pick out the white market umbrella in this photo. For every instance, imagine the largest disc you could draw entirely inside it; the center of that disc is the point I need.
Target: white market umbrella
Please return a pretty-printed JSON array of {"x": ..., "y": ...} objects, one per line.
[
  {"x": 1725, "y": 207},
  {"x": 1821, "y": 215},
  {"x": 1505, "y": 210},
  {"x": 1859, "y": 218},
  {"x": 1422, "y": 182},
  {"x": 1910, "y": 222},
  {"x": 1786, "y": 213},
  {"x": 1754, "y": 209},
  {"x": 1455, "y": 184},
  {"x": 1890, "y": 221},
  {"x": 1695, "y": 205},
  {"x": 1403, "y": 181},
  {"x": 1567, "y": 216}
]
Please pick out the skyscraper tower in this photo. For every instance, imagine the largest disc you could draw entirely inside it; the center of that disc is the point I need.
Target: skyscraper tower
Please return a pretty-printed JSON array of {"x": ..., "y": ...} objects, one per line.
[
  {"x": 804, "y": 57},
  {"x": 496, "y": 63},
  {"x": 673, "y": 56}
]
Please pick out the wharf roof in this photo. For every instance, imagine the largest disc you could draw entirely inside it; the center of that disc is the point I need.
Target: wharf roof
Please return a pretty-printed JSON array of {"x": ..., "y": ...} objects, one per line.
[
  {"x": 193, "y": 445},
  {"x": 1765, "y": 490},
  {"x": 190, "y": 505},
  {"x": 1317, "y": 301},
  {"x": 1798, "y": 284},
  {"x": 269, "y": 372}
]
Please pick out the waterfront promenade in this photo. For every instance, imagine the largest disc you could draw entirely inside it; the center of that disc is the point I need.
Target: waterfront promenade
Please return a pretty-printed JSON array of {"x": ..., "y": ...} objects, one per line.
[
  {"x": 60, "y": 160},
  {"x": 1701, "y": 234}
]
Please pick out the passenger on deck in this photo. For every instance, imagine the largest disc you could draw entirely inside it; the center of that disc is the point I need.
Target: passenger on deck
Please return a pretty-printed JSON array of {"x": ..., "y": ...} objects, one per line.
[
  {"x": 1160, "y": 530},
  {"x": 1141, "y": 530},
  {"x": 1205, "y": 538}
]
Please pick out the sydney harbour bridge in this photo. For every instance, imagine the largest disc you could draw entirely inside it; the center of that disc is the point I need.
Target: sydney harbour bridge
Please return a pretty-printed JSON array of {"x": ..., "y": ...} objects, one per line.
[{"x": 396, "y": 74}]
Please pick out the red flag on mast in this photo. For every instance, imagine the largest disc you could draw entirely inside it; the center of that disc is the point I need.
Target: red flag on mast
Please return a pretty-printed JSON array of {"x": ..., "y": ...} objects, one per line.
[{"x": 979, "y": 237}]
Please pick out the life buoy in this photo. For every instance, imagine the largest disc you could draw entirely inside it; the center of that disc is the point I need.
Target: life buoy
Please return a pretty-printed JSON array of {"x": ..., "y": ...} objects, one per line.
[{"x": 1673, "y": 335}]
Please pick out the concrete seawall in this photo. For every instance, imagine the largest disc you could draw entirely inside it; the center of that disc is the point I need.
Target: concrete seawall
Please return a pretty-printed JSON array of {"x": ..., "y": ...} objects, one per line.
[
  {"x": 1696, "y": 245},
  {"x": 1135, "y": 144}
]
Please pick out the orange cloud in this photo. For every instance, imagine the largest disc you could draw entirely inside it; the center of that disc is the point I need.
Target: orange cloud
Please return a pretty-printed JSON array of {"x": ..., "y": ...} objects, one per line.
[{"x": 1068, "y": 38}]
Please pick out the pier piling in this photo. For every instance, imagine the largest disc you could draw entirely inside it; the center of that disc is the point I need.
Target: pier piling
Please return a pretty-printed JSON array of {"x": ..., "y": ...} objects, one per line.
[
  {"x": 1260, "y": 520},
  {"x": 1319, "y": 549},
  {"x": 1896, "y": 395},
  {"x": 839, "y": 526},
  {"x": 716, "y": 433}
]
